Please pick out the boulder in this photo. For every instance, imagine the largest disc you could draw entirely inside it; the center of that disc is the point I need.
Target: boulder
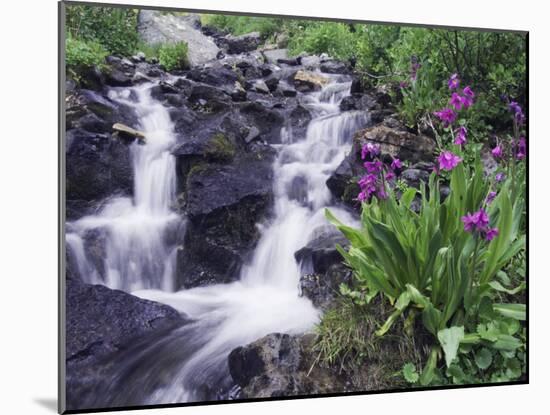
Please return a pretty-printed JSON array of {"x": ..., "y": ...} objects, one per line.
[
  {"x": 273, "y": 55},
  {"x": 268, "y": 121},
  {"x": 334, "y": 67},
  {"x": 320, "y": 253},
  {"x": 243, "y": 43},
  {"x": 101, "y": 322},
  {"x": 395, "y": 142},
  {"x": 223, "y": 204},
  {"x": 323, "y": 289},
  {"x": 306, "y": 81},
  {"x": 213, "y": 74},
  {"x": 155, "y": 27}
]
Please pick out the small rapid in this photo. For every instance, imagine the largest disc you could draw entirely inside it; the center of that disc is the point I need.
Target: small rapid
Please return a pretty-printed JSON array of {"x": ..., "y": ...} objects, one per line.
[{"x": 190, "y": 363}]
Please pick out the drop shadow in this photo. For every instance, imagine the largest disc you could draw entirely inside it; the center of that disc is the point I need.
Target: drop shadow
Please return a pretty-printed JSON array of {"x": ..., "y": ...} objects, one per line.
[{"x": 48, "y": 403}]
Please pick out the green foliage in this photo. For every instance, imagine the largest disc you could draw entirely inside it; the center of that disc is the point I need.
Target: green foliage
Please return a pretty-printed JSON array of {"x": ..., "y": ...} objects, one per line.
[
  {"x": 112, "y": 27},
  {"x": 81, "y": 54},
  {"x": 336, "y": 39},
  {"x": 173, "y": 56},
  {"x": 429, "y": 268},
  {"x": 409, "y": 373},
  {"x": 239, "y": 25}
]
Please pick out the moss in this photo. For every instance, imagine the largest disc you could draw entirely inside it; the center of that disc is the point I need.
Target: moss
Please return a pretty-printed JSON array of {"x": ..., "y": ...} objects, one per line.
[{"x": 219, "y": 148}]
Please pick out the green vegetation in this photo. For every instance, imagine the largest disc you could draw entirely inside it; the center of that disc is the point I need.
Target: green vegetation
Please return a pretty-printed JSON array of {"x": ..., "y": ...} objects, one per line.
[
  {"x": 173, "y": 56},
  {"x": 113, "y": 28},
  {"x": 79, "y": 54},
  {"x": 239, "y": 25}
]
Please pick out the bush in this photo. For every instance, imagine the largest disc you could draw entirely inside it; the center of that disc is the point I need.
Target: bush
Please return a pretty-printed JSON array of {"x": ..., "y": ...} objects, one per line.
[
  {"x": 173, "y": 56},
  {"x": 81, "y": 54},
  {"x": 114, "y": 28},
  {"x": 336, "y": 39},
  {"x": 239, "y": 25}
]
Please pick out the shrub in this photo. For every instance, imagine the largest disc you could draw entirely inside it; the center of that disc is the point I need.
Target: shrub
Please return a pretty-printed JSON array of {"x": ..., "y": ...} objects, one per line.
[
  {"x": 173, "y": 56},
  {"x": 239, "y": 25},
  {"x": 83, "y": 54},
  {"x": 112, "y": 27},
  {"x": 336, "y": 39}
]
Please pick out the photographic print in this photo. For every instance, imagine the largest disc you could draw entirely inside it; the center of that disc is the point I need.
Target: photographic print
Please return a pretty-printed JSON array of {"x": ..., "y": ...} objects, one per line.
[{"x": 261, "y": 207}]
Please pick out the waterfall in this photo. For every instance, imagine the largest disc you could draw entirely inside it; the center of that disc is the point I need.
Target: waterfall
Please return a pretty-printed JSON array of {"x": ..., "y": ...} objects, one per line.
[
  {"x": 190, "y": 364},
  {"x": 133, "y": 230}
]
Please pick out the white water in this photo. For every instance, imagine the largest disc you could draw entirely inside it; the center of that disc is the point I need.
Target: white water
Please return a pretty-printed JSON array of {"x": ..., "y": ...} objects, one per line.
[
  {"x": 137, "y": 256},
  {"x": 266, "y": 298}
]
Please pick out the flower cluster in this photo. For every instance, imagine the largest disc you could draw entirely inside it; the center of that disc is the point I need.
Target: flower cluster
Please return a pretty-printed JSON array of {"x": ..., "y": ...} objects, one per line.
[
  {"x": 519, "y": 117},
  {"x": 479, "y": 222},
  {"x": 374, "y": 182},
  {"x": 457, "y": 102}
]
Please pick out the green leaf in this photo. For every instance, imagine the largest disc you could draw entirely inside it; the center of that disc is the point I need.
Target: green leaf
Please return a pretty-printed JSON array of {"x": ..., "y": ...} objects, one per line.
[
  {"x": 410, "y": 374},
  {"x": 450, "y": 340},
  {"x": 507, "y": 342},
  {"x": 515, "y": 311},
  {"x": 498, "y": 286},
  {"x": 483, "y": 358}
]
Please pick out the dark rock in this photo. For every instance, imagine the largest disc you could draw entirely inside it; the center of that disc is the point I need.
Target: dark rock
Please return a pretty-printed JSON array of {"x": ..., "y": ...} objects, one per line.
[
  {"x": 287, "y": 91},
  {"x": 101, "y": 322},
  {"x": 358, "y": 102},
  {"x": 273, "y": 55},
  {"x": 206, "y": 98},
  {"x": 323, "y": 289},
  {"x": 97, "y": 166},
  {"x": 334, "y": 67},
  {"x": 290, "y": 61},
  {"x": 342, "y": 184},
  {"x": 115, "y": 76},
  {"x": 223, "y": 204},
  {"x": 215, "y": 74},
  {"x": 243, "y": 43},
  {"x": 268, "y": 121},
  {"x": 356, "y": 86},
  {"x": 413, "y": 177},
  {"x": 299, "y": 119},
  {"x": 272, "y": 83},
  {"x": 319, "y": 254}
]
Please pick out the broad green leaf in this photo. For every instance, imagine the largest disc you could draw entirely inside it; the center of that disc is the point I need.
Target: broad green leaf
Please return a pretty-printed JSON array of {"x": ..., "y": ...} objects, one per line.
[
  {"x": 483, "y": 358},
  {"x": 499, "y": 287},
  {"x": 515, "y": 311},
  {"x": 507, "y": 342},
  {"x": 450, "y": 340}
]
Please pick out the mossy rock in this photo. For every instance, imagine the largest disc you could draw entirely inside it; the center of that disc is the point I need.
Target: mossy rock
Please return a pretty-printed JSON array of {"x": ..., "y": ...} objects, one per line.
[{"x": 219, "y": 148}]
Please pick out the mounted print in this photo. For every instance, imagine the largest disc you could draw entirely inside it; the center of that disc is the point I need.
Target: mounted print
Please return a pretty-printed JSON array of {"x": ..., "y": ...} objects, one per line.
[{"x": 258, "y": 207}]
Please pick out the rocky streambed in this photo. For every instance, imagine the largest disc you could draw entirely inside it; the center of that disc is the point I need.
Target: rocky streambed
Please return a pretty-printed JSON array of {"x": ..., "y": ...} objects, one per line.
[{"x": 212, "y": 289}]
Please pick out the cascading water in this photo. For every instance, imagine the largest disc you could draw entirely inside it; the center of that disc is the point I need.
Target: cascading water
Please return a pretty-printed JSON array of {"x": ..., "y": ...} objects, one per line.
[
  {"x": 136, "y": 254},
  {"x": 190, "y": 364}
]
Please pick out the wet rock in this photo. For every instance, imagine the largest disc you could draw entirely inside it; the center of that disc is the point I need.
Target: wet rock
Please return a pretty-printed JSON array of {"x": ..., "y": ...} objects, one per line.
[
  {"x": 306, "y": 81},
  {"x": 101, "y": 322},
  {"x": 342, "y": 184},
  {"x": 299, "y": 119},
  {"x": 323, "y": 289},
  {"x": 209, "y": 99},
  {"x": 215, "y": 74},
  {"x": 243, "y": 43},
  {"x": 97, "y": 166},
  {"x": 319, "y": 254},
  {"x": 334, "y": 67},
  {"x": 358, "y": 102},
  {"x": 273, "y": 55},
  {"x": 268, "y": 121},
  {"x": 261, "y": 87},
  {"x": 155, "y": 27},
  {"x": 272, "y": 82},
  {"x": 223, "y": 204}
]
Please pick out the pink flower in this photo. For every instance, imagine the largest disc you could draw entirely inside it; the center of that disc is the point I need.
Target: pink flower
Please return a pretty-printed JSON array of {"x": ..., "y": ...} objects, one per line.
[
  {"x": 390, "y": 175},
  {"x": 461, "y": 136},
  {"x": 477, "y": 220},
  {"x": 448, "y": 160},
  {"x": 446, "y": 115},
  {"x": 456, "y": 101},
  {"x": 522, "y": 149},
  {"x": 491, "y": 196},
  {"x": 491, "y": 233},
  {"x": 500, "y": 177},
  {"x": 371, "y": 149},
  {"x": 373, "y": 167},
  {"x": 497, "y": 152},
  {"x": 454, "y": 82},
  {"x": 396, "y": 164}
]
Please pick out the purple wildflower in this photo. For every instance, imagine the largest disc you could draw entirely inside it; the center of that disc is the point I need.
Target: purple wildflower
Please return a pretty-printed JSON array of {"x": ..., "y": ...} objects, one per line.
[
  {"x": 381, "y": 193},
  {"x": 446, "y": 115},
  {"x": 403, "y": 84},
  {"x": 490, "y": 197},
  {"x": 372, "y": 149},
  {"x": 522, "y": 149},
  {"x": 373, "y": 167},
  {"x": 456, "y": 101},
  {"x": 478, "y": 220},
  {"x": 491, "y": 233},
  {"x": 468, "y": 98},
  {"x": 367, "y": 184},
  {"x": 415, "y": 66},
  {"x": 454, "y": 81},
  {"x": 448, "y": 160},
  {"x": 461, "y": 136},
  {"x": 390, "y": 175},
  {"x": 518, "y": 112},
  {"x": 500, "y": 177},
  {"x": 497, "y": 151},
  {"x": 396, "y": 164}
]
